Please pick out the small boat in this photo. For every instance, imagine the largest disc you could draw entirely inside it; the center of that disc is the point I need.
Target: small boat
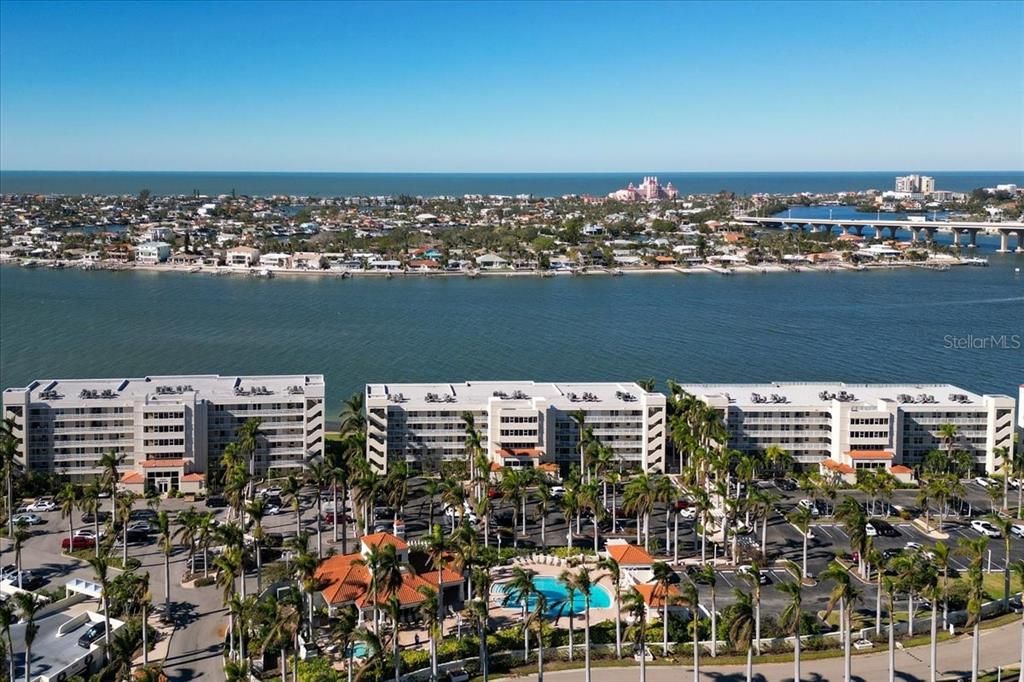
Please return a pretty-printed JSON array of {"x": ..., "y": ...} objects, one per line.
[
  {"x": 263, "y": 273},
  {"x": 472, "y": 274},
  {"x": 546, "y": 273},
  {"x": 617, "y": 272},
  {"x": 346, "y": 274},
  {"x": 196, "y": 269},
  {"x": 29, "y": 263}
]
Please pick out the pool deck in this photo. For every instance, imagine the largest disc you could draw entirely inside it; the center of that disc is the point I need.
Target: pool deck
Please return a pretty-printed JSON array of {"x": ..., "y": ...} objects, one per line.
[{"x": 502, "y": 574}]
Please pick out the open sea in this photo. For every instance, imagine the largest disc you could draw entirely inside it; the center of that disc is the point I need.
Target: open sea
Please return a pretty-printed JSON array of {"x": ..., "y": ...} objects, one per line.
[{"x": 458, "y": 184}]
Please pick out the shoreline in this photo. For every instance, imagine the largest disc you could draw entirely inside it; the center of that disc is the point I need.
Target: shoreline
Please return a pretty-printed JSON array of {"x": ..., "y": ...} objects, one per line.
[{"x": 941, "y": 264}]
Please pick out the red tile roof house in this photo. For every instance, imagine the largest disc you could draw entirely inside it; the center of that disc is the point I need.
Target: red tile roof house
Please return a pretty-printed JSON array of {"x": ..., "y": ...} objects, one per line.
[{"x": 345, "y": 580}]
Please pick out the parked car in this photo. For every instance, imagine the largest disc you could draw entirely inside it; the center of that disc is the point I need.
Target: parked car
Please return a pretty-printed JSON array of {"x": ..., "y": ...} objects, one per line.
[
  {"x": 1017, "y": 530},
  {"x": 884, "y": 528},
  {"x": 273, "y": 491},
  {"x": 43, "y": 505},
  {"x": 88, "y": 517},
  {"x": 142, "y": 515},
  {"x": 28, "y": 518},
  {"x": 29, "y": 580},
  {"x": 863, "y": 644},
  {"x": 494, "y": 493},
  {"x": 786, "y": 484},
  {"x": 985, "y": 528},
  {"x": 810, "y": 505},
  {"x": 870, "y": 530},
  {"x": 333, "y": 517},
  {"x": 216, "y": 501},
  {"x": 90, "y": 533},
  {"x": 95, "y": 631},
  {"x": 986, "y": 482},
  {"x": 688, "y": 514},
  {"x": 744, "y": 571},
  {"x": 140, "y": 526},
  {"x": 77, "y": 542},
  {"x": 457, "y": 676},
  {"x": 557, "y": 491}
]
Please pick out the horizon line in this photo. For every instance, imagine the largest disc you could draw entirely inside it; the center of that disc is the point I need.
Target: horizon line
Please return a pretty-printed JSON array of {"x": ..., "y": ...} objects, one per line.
[{"x": 511, "y": 172}]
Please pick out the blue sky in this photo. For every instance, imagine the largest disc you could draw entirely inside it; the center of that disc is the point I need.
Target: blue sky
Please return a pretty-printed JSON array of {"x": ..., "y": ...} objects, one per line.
[{"x": 511, "y": 87}]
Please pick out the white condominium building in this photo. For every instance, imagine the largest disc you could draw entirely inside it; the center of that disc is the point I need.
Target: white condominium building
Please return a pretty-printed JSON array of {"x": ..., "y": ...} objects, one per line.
[
  {"x": 521, "y": 423},
  {"x": 843, "y": 427},
  {"x": 169, "y": 428}
]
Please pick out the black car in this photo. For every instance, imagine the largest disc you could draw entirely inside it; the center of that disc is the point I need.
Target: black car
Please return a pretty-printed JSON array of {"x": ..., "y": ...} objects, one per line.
[
  {"x": 696, "y": 575},
  {"x": 136, "y": 535},
  {"x": 216, "y": 501},
  {"x": 884, "y": 528},
  {"x": 786, "y": 484},
  {"x": 94, "y": 632},
  {"x": 143, "y": 515},
  {"x": 89, "y": 518}
]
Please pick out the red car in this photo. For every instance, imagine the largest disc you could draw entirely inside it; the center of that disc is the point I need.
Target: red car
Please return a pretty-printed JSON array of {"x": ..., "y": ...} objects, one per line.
[
  {"x": 329, "y": 518},
  {"x": 494, "y": 493},
  {"x": 77, "y": 542}
]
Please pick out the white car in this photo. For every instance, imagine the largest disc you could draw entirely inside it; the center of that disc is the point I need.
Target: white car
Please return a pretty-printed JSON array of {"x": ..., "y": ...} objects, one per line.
[
  {"x": 913, "y": 546},
  {"x": 270, "y": 492},
  {"x": 90, "y": 533},
  {"x": 985, "y": 528},
  {"x": 557, "y": 491},
  {"x": 688, "y": 514},
  {"x": 43, "y": 505},
  {"x": 809, "y": 505},
  {"x": 863, "y": 644},
  {"x": 271, "y": 510},
  {"x": 27, "y": 518},
  {"x": 1017, "y": 530},
  {"x": 140, "y": 526},
  {"x": 870, "y": 530}
]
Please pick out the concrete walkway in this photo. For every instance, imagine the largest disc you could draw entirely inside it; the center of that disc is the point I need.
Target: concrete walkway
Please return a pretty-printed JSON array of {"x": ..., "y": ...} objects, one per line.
[{"x": 999, "y": 647}]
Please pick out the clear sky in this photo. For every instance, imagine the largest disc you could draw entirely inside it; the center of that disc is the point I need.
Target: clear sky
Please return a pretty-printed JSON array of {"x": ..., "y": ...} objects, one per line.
[{"x": 511, "y": 87}]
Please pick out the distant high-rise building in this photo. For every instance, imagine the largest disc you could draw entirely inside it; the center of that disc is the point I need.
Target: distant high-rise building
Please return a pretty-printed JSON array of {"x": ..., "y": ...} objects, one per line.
[{"x": 915, "y": 184}]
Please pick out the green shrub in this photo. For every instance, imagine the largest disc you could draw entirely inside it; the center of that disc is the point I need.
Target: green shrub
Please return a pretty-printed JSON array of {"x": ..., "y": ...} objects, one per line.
[{"x": 205, "y": 582}]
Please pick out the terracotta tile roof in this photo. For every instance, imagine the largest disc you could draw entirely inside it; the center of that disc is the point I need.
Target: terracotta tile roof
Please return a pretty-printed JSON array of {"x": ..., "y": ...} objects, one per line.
[
  {"x": 194, "y": 478},
  {"x": 156, "y": 463},
  {"x": 520, "y": 452},
  {"x": 838, "y": 467},
  {"x": 132, "y": 477},
  {"x": 345, "y": 580},
  {"x": 629, "y": 555},
  {"x": 654, "y": 595},
  {"x": 384, "y": 539},
  {"x": 869, "y": 454},
  {"x": 900, "y": 469}
]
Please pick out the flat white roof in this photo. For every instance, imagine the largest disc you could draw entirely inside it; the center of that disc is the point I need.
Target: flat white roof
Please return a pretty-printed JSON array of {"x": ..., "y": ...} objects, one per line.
[
  {"x": 609, "y": 394},
  {"x": 49, "y": 390},
  {"x": 814, "y": 393}
]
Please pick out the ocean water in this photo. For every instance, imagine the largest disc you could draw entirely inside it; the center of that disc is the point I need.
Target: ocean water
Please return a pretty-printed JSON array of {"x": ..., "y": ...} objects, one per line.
[
  {"x": 891, "y": 326},
  {"x": 437, "y": 184}
]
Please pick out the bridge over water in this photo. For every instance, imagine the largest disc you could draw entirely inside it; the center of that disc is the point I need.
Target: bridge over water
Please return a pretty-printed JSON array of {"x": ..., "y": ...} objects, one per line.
[{"x": 917, "y": 229}]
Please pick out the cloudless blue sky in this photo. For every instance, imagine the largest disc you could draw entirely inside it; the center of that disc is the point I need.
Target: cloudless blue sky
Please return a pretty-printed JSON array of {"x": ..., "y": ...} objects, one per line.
[{"x": 511, "y": 87}]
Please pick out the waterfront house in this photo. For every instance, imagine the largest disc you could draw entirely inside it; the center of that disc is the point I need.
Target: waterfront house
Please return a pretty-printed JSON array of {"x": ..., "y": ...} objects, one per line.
[
  {"x": 383, "y": 265},
  {"x": 490, "y": 261},
  {"x": 423, "y": 265},
  {"x": 276, "y": 260},
  {"x": 152, "y": 252},
  {"x": 307, "y": 260},
  {"x": 243, "y": 256}
]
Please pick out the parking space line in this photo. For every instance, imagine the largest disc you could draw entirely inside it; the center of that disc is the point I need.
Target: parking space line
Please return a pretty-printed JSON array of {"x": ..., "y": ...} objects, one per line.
[{"x": 725, "y": 578}]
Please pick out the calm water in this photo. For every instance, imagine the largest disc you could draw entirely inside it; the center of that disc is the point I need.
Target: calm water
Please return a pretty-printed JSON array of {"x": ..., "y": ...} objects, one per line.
[
  {"x": 437, "y": 184},
  {"x": 866, "y": 326}
]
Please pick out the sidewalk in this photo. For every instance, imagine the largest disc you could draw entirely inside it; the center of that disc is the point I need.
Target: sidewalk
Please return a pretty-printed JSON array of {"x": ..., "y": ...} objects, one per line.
[{"x": 999, "y": 647}]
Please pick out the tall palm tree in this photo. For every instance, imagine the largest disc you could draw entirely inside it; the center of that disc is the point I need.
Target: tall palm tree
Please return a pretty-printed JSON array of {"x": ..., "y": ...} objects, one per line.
[
  {"x": 535, "y": 621},
  {"x": 844, "y": 594},
  {"x": 791, "y": 618},
  {"x": 100, "y": 566},
  {"x": 584, "y": 584},
  {"x": 741, "y": 628},
  {"x": 753, "y": 577},
  {"x": 567, "y": 604},
  {"x": 1004, "y": 524},
  {"x": 709, "y": 576},
  {"x": 163, "y": 525},
  {"x": 637, "y": 608},
  {"x": 941, "y": 555},
  {"x": 932, "y": 590},
  {"x": 249, "y": 437},
  {"x": 7, "y": 616},
  {"x": 256, "y": 510},
  {"x": 891, "y": 586},
  {"x": 8, "y": 458},
  {"x": 394, "y": 609},
  {"x": 109, "y": 462},
  {"x": 1018, "y": 570},
  {"x": 67, "y": 498},
  {"x": 691, "y": 597},
  {"x": 614, "y": 572},
  {"x": 90, "y": 504},
  {"x": 638, "y": 499},
  {"x": 662, "y": 576},
  {"x": 28, "y": 606},
  {"x": 579, "y": 417},
  {"x": 21, "y": 536},
  {"x": 521, "y": 585},
  {"x": 974, "y": 551},
  {"x": 140, "y": 595},
  {"x": 428, "y": 611},
  {"x": 319, "y": 473},
  {"x": 290, "y": 491},
  {"x": 353, "y": 414},
  {"x": 123, "y": 502},
  {"x": 801, "y": 518}
]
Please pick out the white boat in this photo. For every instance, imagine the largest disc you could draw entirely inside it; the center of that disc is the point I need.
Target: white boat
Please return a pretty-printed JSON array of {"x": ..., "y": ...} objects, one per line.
[{"x": 264, "y": 273}]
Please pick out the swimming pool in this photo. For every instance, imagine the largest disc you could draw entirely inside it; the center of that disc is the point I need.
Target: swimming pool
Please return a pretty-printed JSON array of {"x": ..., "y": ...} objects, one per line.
[{"x": 556, "y": 595}]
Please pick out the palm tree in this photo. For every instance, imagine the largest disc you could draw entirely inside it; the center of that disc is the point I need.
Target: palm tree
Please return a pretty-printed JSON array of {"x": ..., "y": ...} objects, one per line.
[
  {"x": 610, "y": 565},
  {"x": 28, "y": 606},
  {"x": 535, "y": 620},
  {"x": 662, "y": 576},
  {"x": 753, "y": 577},
  {"x": 290, "y": 491},
  {"x": 109, "y": 462},
  {"x": 353, "y": 414},
  {"x": 741, "y": 628},
  {"x": 256, "y": 509},
  {"x": 542, "y": 495},
  {"x": 709, "y": 576},
  {"x": 584, "y": 584},
  {"x": 21, "y": 536},
  {"x": 638, "y": 499},
  {"x": 99, "y": 566},
  {"x": 140, "y": 595},
  {"x": 791, "y": 618},
  {"x": 637, "y": 608},
  {"x": 320, "y": 474},
  {"x": 163, "y": 525},
  {"x": 890, "y": 586},
  {"x": 1004, "y": 524},
  {"x": 844, "y": 594},
  {"x": 394, "y": 609},
  {"x": 1018, "y": 570},
  {"x": 90, "y": 504},
  {"x": 567, "y": 604},
  {"x": 521, "y": 585},
  {"x": 8, "y": 457},
  {"x": 428, "y": 611},
  {"x": 123, "y": 502},
  {"x": 801, "y": 518},
  {"x": 580, "y": 418},
  {"x": 67, "y": 498},
  {"x": 691, "y": 597},
  {"x": 248, "y": 443},
  {"x": 933, "y": 591},
  {"x": 7, "y": 616},
  {"x": 974, "y": 551}
]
